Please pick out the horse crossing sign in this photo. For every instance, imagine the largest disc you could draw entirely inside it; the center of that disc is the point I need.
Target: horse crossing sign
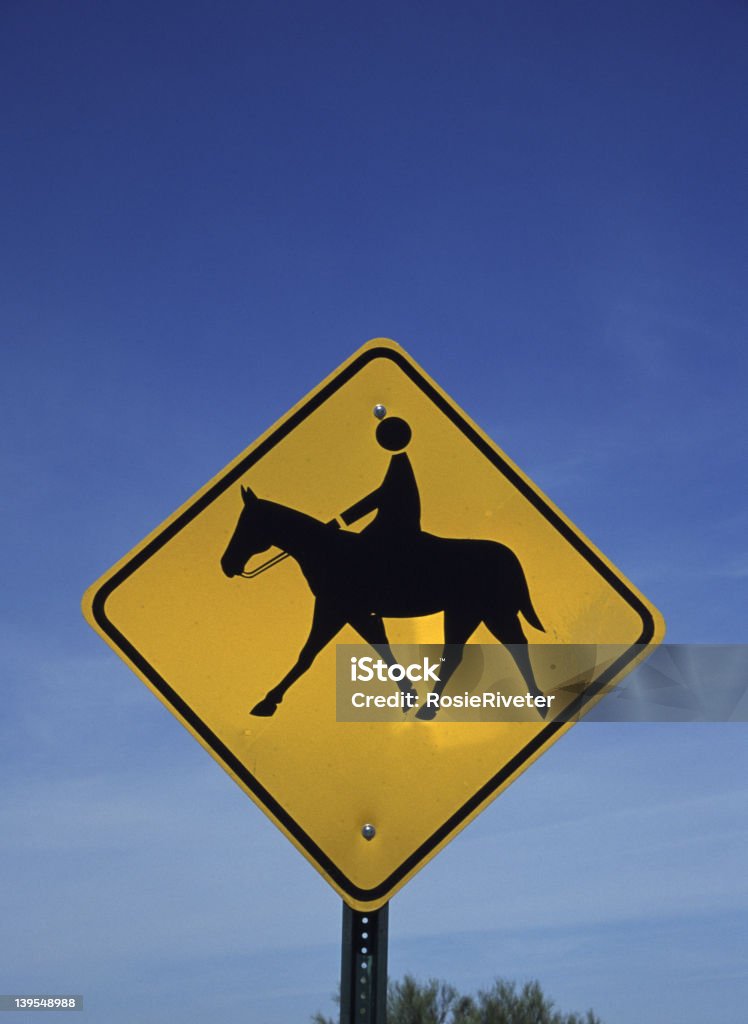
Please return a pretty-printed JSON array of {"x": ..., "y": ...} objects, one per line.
[{"x": 409, "y": 527}]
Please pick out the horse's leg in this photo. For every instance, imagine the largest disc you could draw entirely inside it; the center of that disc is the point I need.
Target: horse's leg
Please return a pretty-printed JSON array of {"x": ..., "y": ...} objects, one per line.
[
  {"x": 459, "y": 626},
  {"x": 509, "y": 632},
  {"x": 327, "y": 621},
  {"x": 371, "y": 628}
]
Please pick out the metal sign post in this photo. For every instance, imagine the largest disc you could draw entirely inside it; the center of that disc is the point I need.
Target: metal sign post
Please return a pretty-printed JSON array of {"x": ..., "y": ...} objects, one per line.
[{"x": 363, "y": 968}]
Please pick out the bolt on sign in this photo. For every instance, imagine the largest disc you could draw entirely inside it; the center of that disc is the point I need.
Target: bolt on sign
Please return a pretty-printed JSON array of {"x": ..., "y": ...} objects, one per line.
[{"x": 374, "y": 513}]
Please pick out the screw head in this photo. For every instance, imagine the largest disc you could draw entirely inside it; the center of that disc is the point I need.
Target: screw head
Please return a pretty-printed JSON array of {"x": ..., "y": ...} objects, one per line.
[
  {"x": 368, "y": 831},
  {"x": 380, "y": 412}
]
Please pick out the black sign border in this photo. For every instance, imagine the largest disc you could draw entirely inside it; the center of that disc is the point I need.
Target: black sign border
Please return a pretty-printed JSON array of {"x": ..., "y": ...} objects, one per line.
[{"x": 381, "y": 891}]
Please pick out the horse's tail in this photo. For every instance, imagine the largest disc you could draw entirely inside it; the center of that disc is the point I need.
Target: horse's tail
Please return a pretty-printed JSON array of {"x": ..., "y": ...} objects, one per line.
[
  {"x": 525, "y": 604},
  {"x": 529, "y": 612}
]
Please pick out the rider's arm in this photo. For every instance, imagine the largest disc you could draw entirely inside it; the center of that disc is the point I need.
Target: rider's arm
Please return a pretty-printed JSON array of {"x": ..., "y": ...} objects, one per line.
[{"x": 361, "y": 508}]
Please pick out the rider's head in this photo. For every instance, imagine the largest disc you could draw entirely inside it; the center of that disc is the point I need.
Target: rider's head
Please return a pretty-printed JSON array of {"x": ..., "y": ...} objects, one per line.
[{"x": 393, "y": 434}]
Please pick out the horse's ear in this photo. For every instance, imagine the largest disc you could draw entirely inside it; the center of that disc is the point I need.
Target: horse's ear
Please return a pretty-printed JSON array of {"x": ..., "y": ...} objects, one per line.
[{"x": 248, "y": 496}]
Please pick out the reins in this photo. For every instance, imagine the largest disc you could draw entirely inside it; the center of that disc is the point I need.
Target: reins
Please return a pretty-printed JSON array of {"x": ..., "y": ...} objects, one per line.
[
  {"x": 265, "y": 565},
  {"x": 271, "y": 562}
]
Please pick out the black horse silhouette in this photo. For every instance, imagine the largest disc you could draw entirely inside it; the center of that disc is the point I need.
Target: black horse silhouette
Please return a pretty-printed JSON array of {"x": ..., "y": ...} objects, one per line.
[{"x": 356, "y": 582}]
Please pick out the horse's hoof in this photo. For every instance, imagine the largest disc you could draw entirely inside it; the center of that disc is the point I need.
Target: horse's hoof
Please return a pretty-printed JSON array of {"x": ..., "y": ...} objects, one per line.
[
  {"x": 410, "y": 700},
  {"x": 265, "y": 709},
  {"x": 426, "y": 713},
  {"x": 541, "y": 709}
]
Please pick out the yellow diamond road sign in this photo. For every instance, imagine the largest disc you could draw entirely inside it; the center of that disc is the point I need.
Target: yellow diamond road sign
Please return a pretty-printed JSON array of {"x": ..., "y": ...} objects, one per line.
[{"x": 408, "y": 526}]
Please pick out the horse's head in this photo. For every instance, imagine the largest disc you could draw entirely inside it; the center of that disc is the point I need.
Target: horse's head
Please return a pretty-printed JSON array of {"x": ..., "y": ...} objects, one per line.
[{"x": 249, "y": 537}]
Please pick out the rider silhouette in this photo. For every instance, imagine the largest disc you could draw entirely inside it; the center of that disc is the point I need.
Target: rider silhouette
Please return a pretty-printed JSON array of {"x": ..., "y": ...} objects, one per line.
[{"x": 398, "y": 505}]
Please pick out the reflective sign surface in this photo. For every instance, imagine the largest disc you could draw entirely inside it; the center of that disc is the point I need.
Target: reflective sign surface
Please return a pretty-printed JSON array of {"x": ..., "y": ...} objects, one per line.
[{"x": 404, "y": 526}]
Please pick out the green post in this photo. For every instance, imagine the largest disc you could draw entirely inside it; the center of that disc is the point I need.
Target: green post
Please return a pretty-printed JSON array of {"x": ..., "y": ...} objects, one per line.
[{"x": 363, "y": 970}]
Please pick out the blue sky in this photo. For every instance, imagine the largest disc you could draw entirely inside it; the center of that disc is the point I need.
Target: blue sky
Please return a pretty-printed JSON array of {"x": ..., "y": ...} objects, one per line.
[{"x": 206, "y": 208}]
